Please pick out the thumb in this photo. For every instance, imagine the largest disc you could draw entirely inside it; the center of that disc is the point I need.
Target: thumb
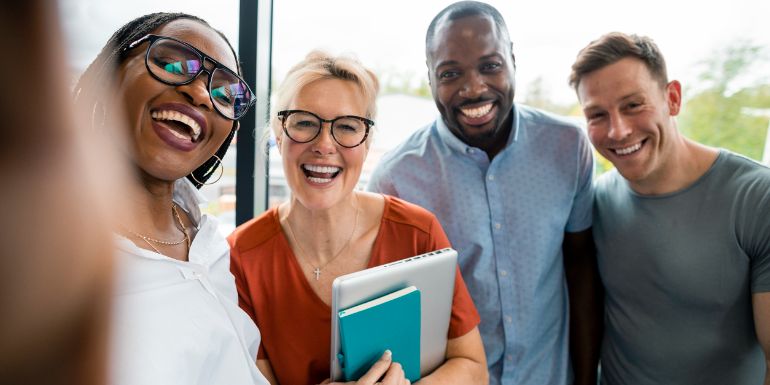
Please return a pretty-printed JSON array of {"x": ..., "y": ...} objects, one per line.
[{"x": 377, "y": 370}]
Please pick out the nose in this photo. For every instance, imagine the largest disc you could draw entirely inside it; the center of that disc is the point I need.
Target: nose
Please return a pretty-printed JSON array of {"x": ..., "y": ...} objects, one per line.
[
  {"x": 196, "y": 92},
  {"x": 474, "y": 86},
  {"x": 620, "y": 127},
  {"x": 324, "y": 144}
]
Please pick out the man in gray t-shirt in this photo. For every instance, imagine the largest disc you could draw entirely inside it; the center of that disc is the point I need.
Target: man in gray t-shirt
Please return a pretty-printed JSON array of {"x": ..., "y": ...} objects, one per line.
[{"x": 682, "y": 231}]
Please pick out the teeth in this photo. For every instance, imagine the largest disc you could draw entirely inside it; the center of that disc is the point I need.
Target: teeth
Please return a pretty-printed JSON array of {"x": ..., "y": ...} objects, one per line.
[
  {"x": 477, "y": 112},
  {"x": 179, "y": 117},
  {"x": 321, "y": 169},
  {"x": 628, "y": 150},
  {"x": 319, "y": 180}
]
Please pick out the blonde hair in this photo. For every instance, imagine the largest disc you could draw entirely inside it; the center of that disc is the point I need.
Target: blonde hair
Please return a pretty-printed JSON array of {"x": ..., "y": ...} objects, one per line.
[{"x": 319, "y": 65}]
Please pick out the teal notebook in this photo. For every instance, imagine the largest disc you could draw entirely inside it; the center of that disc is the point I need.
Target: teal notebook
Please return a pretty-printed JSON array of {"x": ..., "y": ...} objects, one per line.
[{"x": 388, "y": 322}]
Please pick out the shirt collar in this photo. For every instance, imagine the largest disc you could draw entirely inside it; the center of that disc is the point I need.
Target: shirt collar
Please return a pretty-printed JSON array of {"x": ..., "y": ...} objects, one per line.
[
  {"x": 458, "y": 145},
  {"x": 189, "y": 198}
]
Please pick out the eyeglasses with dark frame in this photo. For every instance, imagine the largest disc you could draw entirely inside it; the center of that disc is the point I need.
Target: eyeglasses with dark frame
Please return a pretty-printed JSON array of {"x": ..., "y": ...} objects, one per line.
[
  {"x": 176, "y": 63},
  {"x": 303, "y": 126}
]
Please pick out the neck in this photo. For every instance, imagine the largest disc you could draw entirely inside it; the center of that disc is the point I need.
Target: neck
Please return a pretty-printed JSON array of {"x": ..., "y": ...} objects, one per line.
[
  {"x": 687, "y": 162},
  {"x": 321, "y": 234},
  {"x": 150, "y": 207}
]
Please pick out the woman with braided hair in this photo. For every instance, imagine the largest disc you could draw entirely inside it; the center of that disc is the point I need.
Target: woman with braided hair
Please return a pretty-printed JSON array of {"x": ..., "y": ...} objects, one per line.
[
  {"x": 178, "y": 93},
  {"x": 177, "y": 97}
]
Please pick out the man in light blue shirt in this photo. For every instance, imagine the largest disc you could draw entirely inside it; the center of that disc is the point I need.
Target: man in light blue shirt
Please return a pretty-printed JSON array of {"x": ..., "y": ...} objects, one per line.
[{"x": 511, "y": 185}]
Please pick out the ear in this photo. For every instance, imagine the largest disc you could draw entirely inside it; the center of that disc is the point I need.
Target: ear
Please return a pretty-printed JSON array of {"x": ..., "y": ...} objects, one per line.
[
  {"x": 427, "y": 64},
  {"x": 278, "y": 140},
  {"x": 513, "y": 57},
  {"x": 674, "y": 97}
]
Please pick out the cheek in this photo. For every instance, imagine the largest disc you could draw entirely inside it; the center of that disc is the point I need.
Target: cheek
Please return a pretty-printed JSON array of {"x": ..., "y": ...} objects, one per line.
[
  {"x": 595, "y": 134},
  {"x": 444, "y": 97}
]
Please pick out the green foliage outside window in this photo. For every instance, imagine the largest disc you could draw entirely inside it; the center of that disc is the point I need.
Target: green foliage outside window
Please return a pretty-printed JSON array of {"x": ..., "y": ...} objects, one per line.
[{"x": 732, "y": 107}]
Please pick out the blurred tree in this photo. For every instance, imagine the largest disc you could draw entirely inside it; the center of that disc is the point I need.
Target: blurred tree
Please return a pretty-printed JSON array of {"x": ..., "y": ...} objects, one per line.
[
  {"x": 538, "y": 96},
  {"x": 398, "y": 82},
  {"x": 722, "y": 110}
]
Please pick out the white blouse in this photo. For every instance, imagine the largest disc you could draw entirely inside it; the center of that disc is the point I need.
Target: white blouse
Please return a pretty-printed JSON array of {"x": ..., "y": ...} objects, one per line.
[{"x": 179, "y": 322}]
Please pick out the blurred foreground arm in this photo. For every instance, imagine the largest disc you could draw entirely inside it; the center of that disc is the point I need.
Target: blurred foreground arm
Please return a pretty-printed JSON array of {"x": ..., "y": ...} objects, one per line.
[{"x": 56, "y": 262}]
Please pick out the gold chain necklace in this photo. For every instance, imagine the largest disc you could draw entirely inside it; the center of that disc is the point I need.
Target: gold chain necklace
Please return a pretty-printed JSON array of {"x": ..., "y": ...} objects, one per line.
[
  {"x": 317, "y": 269},
  {"x": 150, "y": 240}
]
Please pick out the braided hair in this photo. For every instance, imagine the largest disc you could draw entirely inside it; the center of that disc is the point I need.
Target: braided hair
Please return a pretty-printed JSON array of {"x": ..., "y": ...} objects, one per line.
[{"x": 102, "y": 71}]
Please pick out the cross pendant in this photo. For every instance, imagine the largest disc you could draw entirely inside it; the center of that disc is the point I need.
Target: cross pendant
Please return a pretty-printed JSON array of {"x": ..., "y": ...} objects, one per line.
[{"x": 317, "y": 273}]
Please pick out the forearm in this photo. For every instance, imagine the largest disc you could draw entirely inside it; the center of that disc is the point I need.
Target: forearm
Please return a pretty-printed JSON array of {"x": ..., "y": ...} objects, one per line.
[
  {"x": 586, "y": 297},
  {"x": 459, "y": 370},
  {"x": 586, "y": 328}
]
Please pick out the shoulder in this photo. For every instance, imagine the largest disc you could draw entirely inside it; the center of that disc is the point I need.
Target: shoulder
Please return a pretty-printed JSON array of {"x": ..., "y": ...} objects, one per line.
[
  {"x": 536, "y": 118},
  {"x": 745, "y": 166},
  {"x": 408, "y": 215},
  {"x": 608, "y": 184},
  {"x": 744, "y": 174},
  {"x": 414, "y": 145},
  {"x": 255, "y": 232}
]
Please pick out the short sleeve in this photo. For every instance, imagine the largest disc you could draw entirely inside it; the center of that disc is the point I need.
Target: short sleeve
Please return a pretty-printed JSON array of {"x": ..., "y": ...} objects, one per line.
[
  {"x": 581, "y": 214},
  {"x": 754, "y": 232},
  {"x": 464, "y": 316},
  {"x": 378, "y": 182}
]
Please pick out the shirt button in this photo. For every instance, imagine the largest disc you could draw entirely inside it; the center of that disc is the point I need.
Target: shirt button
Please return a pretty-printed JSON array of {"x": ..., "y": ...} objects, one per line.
[
  {"x": 508, "y": 319},
  {"x": 491, "y": 177},
  {"x": 498, "y": 226},
  {"x": 469, "y": 150},
  {"x": 509, "y": 357},
  {"x": 503, "y": 273}
]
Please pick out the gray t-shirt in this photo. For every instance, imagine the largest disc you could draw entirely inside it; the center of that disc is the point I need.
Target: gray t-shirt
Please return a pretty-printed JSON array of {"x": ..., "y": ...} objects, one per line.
[{"x": 679, "y": 270}]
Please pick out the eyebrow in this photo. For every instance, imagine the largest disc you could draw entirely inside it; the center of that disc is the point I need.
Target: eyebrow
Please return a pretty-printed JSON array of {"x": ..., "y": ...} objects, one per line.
[
  {"x": 494, "y": 55},
  {"x": 624, "y": 98}
]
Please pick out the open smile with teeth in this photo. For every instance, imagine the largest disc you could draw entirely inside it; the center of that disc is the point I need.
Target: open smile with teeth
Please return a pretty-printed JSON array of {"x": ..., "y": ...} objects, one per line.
[
  {"x": 628, "y": 150},
  {"x": 477, "y": 112},
  {"x": 184, "y": 127},
  {"x": 320, "y": 174}
]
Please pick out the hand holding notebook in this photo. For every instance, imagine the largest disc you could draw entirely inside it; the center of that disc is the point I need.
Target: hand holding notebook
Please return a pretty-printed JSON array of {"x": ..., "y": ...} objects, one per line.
[{"x": 389, "y": 322}]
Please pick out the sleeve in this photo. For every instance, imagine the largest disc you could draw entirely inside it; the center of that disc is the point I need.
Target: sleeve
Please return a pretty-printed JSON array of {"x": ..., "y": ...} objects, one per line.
[
  {"x": 249, "y": 328},
  {"x": 581, "y": 215},
  {"x": 380, "y": 183},
  {"x": 464, "y": 314},
  {"x": 244, "y": 299},
  {"x": 754, "y": 232}
]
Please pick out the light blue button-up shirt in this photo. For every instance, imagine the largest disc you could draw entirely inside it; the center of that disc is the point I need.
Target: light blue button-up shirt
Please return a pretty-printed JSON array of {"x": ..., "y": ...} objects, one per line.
[{"x": 507, "y": 218}]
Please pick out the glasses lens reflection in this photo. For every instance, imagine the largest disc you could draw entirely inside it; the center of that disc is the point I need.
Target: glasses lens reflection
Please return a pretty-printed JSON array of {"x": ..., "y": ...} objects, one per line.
[{"x": 175, "y": 63}]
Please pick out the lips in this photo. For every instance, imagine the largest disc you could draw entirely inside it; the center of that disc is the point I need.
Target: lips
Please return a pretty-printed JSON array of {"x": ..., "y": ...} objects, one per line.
[
  {"x": 320, "y": 174},
  {"x": 179, "y": 125},
  {"x": 477, "y": 114}
]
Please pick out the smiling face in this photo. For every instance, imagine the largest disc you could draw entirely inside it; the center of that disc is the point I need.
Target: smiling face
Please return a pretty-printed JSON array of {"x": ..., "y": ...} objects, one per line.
[
  {"x": 173, "y": 129},
  {"x": 321, "y": 173},
  {"x": 630, "y": 118},
  {"x": 470, "y": 67}
]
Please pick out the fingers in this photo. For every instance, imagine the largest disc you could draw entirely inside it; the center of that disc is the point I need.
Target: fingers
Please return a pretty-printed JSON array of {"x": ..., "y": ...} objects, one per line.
[
  {"x": 395, "y": 375},
  {"x": 377, "y": 370}
]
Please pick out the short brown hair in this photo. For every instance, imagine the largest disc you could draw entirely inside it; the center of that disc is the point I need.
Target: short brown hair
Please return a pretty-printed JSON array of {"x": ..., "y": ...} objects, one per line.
[{"x": 614, "y": 46}]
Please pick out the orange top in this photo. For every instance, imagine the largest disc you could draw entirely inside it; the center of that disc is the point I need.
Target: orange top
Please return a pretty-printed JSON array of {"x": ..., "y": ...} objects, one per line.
[{"x": 295, "y": 323}]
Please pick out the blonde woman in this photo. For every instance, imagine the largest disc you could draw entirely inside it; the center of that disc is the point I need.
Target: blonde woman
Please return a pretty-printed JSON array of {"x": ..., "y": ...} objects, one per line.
[{"x": 285, "y": 260}]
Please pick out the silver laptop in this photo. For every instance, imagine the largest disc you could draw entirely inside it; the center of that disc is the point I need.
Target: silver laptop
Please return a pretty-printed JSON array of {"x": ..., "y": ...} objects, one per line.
[{"x": 432, "y": 273}]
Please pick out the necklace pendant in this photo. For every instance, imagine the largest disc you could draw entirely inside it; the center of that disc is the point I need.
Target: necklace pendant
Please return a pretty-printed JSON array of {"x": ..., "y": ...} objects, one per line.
[{"x": 317, "y": 273}]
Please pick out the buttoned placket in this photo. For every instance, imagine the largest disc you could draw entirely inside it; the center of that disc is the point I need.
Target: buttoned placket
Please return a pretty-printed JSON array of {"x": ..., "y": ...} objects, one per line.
[{"x": 503, "y": 258}]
